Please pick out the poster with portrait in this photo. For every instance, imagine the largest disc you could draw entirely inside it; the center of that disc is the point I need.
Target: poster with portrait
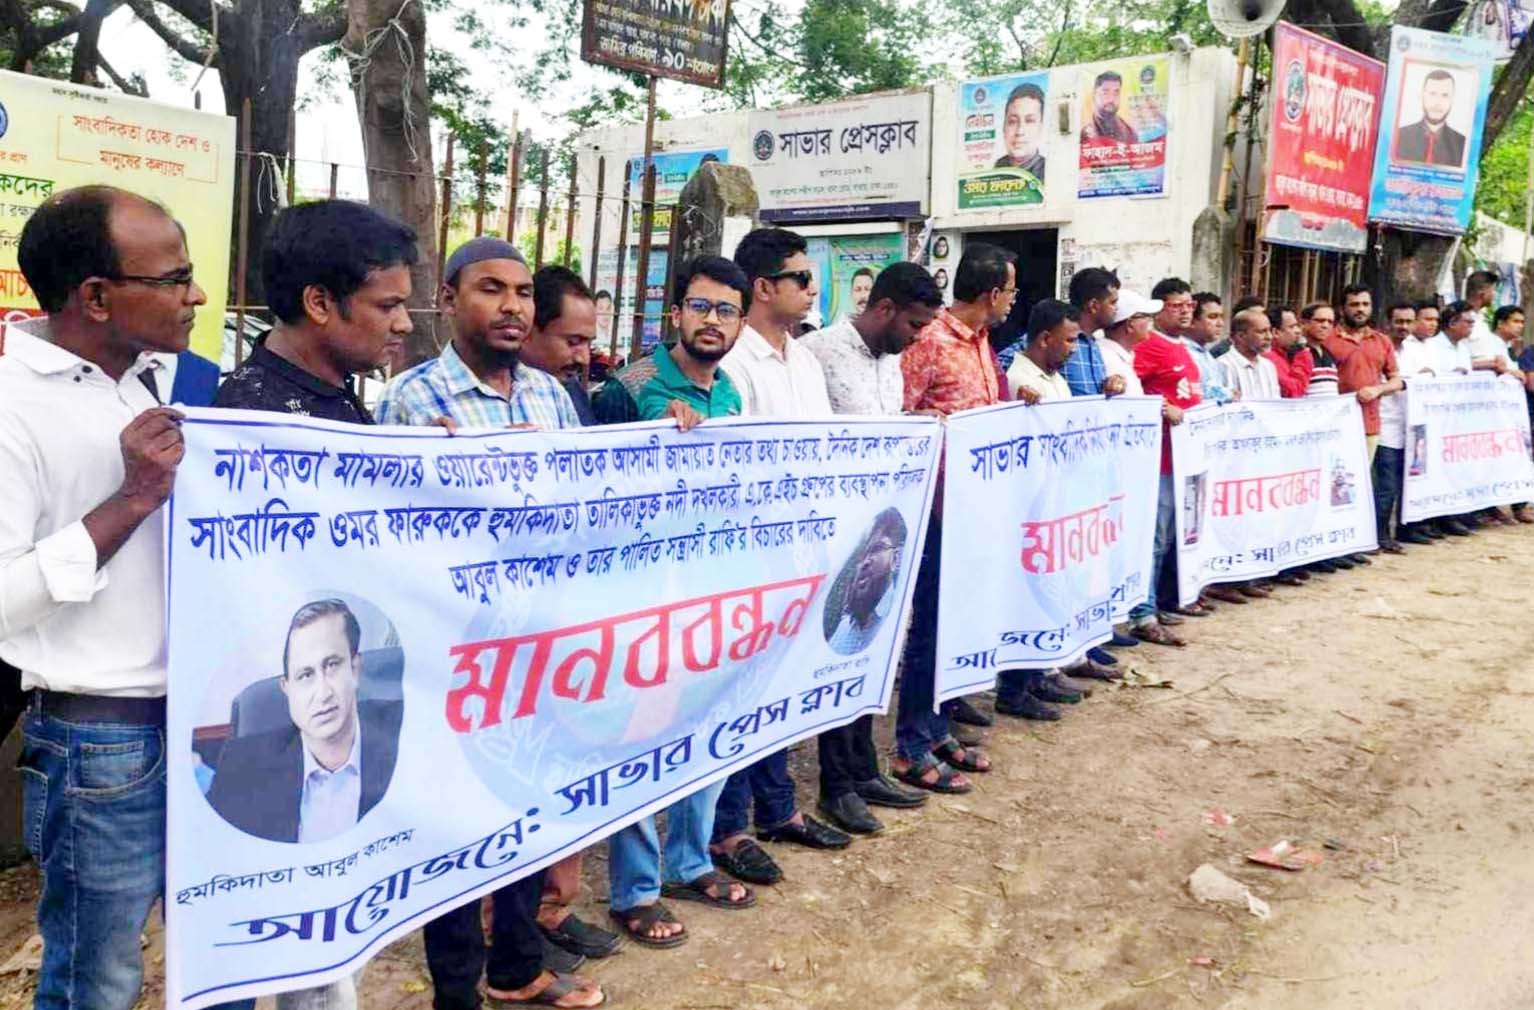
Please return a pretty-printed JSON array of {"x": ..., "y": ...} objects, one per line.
[
  {"x": 1427, "y": 159},
  {"x": 673, "y": 171},
  {"x": 1323, "y": 127},
  {"x": 1467, "y": 445},
  {"x": 1123, "y": 136},
  {"x": 446, "y": 662},
  {"x": 1001, "y": 141},
  {"x": 1503, "y": 23}
]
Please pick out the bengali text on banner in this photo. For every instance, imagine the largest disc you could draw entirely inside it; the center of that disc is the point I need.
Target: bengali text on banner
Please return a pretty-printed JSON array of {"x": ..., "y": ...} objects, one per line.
[
  {"x": 521, "y": 641},
  {"x": 1266, "y": 485},
  {"x": 1049, "y": 512},
  {"x": 1467, "y": 445}
]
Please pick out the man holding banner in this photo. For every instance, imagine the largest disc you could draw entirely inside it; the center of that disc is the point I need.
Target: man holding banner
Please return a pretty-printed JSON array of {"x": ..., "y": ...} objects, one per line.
[{"x": 82, "y": 605}]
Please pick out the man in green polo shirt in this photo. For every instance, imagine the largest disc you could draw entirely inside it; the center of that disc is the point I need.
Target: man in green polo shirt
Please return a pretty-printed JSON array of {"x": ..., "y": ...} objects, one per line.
[{"x": 684, "y": 380}]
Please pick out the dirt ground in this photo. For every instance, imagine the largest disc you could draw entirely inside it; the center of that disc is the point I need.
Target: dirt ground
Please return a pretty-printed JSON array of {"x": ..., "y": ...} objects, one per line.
[{"x": 1381, "y": 717}]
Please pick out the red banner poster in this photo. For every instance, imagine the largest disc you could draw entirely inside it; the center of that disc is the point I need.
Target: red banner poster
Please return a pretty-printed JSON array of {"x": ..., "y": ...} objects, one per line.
[{"x": 1325, "y": 119}]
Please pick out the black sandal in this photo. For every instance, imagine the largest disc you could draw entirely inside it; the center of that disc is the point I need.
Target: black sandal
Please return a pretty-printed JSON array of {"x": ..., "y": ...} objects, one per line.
[
  {"x": 636, "y": 922},
  {"x": 949, "y": 750},
  {"x": 581, "y": 937},
  {"x": 912, "y": 776},
  {"x": 750, "y": 862},
  {"x": 550, "y": 995},
  {"x": 699, "y": 890}
]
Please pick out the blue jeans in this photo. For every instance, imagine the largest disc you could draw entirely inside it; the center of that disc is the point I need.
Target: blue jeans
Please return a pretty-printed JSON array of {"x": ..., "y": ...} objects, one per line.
[
  {"x": 1389, "y": 472},
  {"x": 1166, "y": 536},
  {"x": 769, "y": 784},
  {"x": 917, "y": 727},
  {"x": 94, "y": 819},
  {"x": 634, "y": 854}
]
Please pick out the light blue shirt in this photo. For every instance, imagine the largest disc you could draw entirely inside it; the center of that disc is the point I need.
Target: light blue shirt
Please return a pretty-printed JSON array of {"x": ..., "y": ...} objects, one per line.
[
  {"x": 445, "y": 387},
  {"x": 331, "y": 799},
  {"x": 850, "y": 638},
  {"x": 1210, "y": 375}
]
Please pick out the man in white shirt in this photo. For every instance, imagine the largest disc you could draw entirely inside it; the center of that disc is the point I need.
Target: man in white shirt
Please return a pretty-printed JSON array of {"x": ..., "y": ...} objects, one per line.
[
  {"x": 1412, "y": 358},
  {"x": 1133, "y": 320},
  {"x": 1247, "y": 369},
  {"x": 87, "y": 458},
  {"x": 1450, "y": 348},
  {"x": 861, "y": 360},
  {"x": 1486, "y": 351},
  {"x": 776, "y": 376}
]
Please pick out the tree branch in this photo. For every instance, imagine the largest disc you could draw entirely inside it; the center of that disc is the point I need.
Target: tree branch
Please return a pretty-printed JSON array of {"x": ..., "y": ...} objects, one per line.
[
  {"x": 1508, "y": 92},
  {"x": 182, "y": 47},
  {"x": 1348, "y": 24},
  {"x": 199, "y": 12},
  {"x": 87, "y": 55},
  {"x": 124, "y": 84},
  {"x": 320, "y": 29}
]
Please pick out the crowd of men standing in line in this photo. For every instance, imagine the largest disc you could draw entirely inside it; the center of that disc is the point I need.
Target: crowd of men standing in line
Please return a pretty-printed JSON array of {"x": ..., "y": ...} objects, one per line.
[{"x": 89, "y": 454}]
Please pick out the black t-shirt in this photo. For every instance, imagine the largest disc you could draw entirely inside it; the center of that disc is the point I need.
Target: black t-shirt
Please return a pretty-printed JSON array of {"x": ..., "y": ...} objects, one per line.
[{"x": 268, "y": 382}]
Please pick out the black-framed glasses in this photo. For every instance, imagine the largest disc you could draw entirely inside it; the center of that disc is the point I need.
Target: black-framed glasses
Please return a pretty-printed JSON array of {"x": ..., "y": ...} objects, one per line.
[
  {"x": 727, "y": 311},
  {"x": 804, "y": 278},
  {"x": 175, "y": 279}
]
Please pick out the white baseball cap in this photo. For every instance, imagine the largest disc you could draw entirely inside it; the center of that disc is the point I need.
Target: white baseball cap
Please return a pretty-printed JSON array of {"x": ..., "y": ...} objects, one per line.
[{"x": 1132, "y": 303}]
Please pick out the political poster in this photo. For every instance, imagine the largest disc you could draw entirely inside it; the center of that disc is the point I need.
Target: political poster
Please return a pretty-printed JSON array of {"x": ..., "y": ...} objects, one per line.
[
  {"x": 1467, "y": 445},
  {"x": 853, "y": 262},
  {"x": 621, "y": 329},
  {"x": 1001, "y": 141},
  {"x": 858, "y": 159},
  {"x": 682, "y": 41},
  {"x": 1123, "y": 139},
  {"x": 1427, "y": 158},
  {"x": 55, "y": 135},
  {"x": 1503, "y": 23},
  {"x": 673, "y": 170},
  {"x": 1323, "y": 128},
  {"x": 1265, "y": 485},
  {"x": 516, "y": 642},
  {"x": 1049, "y": 511}
]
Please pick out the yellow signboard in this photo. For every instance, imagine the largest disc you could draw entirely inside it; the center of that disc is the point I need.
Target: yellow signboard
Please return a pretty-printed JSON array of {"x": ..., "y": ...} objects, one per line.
[{"x": 55, "y": 135}]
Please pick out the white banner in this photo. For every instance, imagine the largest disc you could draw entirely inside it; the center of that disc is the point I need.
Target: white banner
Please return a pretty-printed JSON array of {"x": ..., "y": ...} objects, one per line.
[
  {"x": 1467, "y": 445},
  {"x": 1267, "y": 485},
  {"x": 1048, "y": 517},
  {"x": 508, "y": 644},
  {"x": 859, "y": 159}
]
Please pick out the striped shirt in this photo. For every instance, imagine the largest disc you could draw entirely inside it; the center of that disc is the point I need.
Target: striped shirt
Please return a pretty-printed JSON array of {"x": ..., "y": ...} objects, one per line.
[{"x": 445, "y": 387}]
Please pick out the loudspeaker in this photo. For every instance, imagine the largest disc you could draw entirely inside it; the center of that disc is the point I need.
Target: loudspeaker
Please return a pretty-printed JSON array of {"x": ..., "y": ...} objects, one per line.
[{"x": 1241, "y": 19}]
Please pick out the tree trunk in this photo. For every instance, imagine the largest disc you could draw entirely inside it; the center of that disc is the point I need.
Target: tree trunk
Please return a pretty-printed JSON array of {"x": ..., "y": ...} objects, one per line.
[
  {"x": 1405, "y": 266},
  {"x": 386, "y": 43},
  {"x": 82, "y": 68}
]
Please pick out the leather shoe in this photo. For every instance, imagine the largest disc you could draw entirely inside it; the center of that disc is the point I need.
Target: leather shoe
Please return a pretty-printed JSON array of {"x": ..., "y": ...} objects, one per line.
[
  {"x": 1226, "y": 594},
  {"x": 1044, "y": 690},
  {"x": 1432, "y": 531},
  {"x": 1345, "y": 563},
  {"x": 1253, "y": 590},
  {"x": 1360, "y": 559},
  {"x": 1101, "y": 657},
  {"x": 962, "y": 711},
  {"x": 1070, "y": 685},
  {"x": 1154, "y": 633},
  {"x": 886, "y": 792},
  {"x": 1093, "y": 670},
  {"x": 968, "y": 736},
  {"x": 850, "y": 813},
  {"x": 1414, "y": 537},
  {"x": 1523, "y": 513},
  {"x": 1122, "y": 641},
  {"x": 1392, "y": 547},
  {"x": 812, "y": 834},
  {"x": 1026, "y": 706},
  {"x": 750, "y": 862},
  {"x": 1289, "y": 579},
  {"x": 1454, "y": 528},
  {"x": 1324, "y": 567}
]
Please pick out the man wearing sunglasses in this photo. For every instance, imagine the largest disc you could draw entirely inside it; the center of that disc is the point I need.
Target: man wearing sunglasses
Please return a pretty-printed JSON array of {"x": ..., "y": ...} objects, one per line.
[
  {"x": 778, "y": 378},
  {"x": 87, "y": 458}
]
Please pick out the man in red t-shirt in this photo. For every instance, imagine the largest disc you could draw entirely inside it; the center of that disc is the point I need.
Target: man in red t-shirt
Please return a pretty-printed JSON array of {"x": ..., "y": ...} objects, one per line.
[
  {"x": 1366, "y": 359},
  {"x": 1167, "y": 370}
]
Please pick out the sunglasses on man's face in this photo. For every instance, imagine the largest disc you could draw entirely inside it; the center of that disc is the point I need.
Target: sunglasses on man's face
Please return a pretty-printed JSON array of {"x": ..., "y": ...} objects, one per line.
[{"x": 803, "y": 278}]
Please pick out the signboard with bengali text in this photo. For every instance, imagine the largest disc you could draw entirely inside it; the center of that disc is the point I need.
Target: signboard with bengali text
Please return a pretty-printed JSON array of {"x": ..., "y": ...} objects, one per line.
[{"x": 685, "y": 40}]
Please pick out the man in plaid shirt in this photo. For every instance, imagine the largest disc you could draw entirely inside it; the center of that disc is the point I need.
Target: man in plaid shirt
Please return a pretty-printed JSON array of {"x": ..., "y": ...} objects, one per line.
[{"x": 1095, "y": 292}]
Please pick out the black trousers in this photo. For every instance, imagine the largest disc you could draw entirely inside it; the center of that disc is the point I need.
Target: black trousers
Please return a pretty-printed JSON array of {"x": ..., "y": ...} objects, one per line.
[
  {"x": 457, "y": 955},
  {"x": 847, "y": 756}
]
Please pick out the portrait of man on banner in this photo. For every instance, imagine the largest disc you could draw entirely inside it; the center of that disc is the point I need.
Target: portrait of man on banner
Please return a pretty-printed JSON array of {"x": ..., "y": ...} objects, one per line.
[
  {"x": 1107, "y": 126},
  {"x": 1022, "y": 130},
  {"x": 1434, "y": 115},
  {"x": 308, "y": 756},
  {"x": 863, "y": 594}
]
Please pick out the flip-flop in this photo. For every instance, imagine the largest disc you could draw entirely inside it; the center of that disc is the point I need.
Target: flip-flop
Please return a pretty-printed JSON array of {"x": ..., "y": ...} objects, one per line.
[
  {"x": 550, "y": 995},
  {"x": 698, "y": 890},
  {"x": 636, "y": 923}
]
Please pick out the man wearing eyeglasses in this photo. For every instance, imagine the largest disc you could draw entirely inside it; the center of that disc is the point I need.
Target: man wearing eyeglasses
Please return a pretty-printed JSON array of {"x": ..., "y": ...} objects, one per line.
[
  {"x": 684, "y": 382},
  {"x": 87, "y": 458},
  {"x": 777, "y": 378}
]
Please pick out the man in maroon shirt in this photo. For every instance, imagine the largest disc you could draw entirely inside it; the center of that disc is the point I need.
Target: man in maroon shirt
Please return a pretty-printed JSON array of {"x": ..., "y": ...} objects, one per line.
[{"x": 1167, "y": 370}]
